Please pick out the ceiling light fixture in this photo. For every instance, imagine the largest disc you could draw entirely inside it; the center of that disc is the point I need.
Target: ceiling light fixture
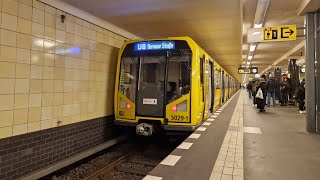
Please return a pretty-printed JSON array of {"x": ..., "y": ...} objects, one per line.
[
  {"x": 248, "y": 63},
  {"x": 252, "y": 47},
  {"x": 256, "y": 33},
  {"x": 261, "y": 11},
  {"x": 258, "y": 25}
]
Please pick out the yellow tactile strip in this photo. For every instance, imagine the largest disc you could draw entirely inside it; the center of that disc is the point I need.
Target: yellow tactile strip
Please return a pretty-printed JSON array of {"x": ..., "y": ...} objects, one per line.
[{"x": 229, "y": 164}]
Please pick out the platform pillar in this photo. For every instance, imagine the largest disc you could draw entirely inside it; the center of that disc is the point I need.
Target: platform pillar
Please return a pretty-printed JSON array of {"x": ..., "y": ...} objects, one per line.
[
  {"x": 310, "y": 73},
  {"x": 318, "y": 68}
]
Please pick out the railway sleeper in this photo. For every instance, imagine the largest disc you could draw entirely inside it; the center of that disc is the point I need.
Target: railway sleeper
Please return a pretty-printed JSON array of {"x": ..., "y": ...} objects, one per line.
[
  {"x": 138, "y": 171},
  {"x": 144, "y": 162}
]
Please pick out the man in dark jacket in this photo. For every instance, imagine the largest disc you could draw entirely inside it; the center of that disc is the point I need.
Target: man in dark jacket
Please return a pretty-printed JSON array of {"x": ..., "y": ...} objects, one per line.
[
  {"x": 285, "y": 89},
  {"x": 301, "y": 96},
  {"x": 271, "y": 89},
  {"x": 262, "y": 102}
]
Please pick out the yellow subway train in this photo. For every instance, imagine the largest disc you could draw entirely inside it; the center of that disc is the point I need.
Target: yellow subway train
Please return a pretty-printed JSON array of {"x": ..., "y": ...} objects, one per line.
[{"x": 169, "y": 84}]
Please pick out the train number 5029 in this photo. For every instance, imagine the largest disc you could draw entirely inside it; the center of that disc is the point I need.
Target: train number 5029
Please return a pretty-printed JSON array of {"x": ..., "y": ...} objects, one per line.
[{"x": 179, "y": 118}]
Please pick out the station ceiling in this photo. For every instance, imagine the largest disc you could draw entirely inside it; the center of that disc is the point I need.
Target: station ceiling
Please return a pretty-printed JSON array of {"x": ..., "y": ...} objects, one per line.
[{"x": 219, "y": 27}]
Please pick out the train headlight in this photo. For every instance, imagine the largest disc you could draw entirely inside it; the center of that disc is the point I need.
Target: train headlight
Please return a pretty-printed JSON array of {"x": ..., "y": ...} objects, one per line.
[
  {"x": 122, "y": 104},
  {"x": 182, "y": 107}
]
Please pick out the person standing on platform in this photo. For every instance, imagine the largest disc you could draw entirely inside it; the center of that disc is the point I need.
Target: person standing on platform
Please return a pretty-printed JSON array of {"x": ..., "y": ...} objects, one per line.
[
  {"x": 261, "y": 98},
  {"x": 249, "y": 88},
  {"x": 301, "y": 96},
  {"x": 254, "y": 90},
  {"x": 285, "y": 89},
  {"x": 271, "y": 89}
]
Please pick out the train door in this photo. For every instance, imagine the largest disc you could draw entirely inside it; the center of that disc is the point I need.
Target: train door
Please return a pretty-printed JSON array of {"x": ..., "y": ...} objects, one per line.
[
  {"x": 217, "y": 87},
  {"x": 208, "y": 88},
  {"x": 151, "y": 86},
  {"x": 229, "y": 87},
  {"x": 223, "y": 86},
  {"x": 202, "y": 63},
  {"x": 211, "y": 86}
]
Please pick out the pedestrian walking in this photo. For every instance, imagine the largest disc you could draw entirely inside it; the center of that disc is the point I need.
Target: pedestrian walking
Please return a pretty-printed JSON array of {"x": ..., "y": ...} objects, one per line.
[
  {"x": 271, "y": 89},
  {"x": 300, "y": 97}
]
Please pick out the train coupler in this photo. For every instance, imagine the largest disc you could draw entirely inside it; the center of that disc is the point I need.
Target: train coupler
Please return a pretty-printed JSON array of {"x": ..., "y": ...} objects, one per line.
[{"x": 144, "y": 129}]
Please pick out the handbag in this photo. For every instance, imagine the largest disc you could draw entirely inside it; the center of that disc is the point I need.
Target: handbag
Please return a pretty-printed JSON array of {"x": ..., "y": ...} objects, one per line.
[{"x": 259, "y": 94}]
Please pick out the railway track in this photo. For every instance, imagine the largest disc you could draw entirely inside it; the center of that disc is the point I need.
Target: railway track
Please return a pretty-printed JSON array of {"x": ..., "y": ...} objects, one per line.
[
  {"x": 130, "y": 166},
  {"x": 130, "y": 161}
]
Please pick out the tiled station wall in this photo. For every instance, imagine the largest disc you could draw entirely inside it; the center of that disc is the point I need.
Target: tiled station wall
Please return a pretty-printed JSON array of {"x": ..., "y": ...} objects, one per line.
[
  {"x": 52, "y": 73},
  {"x": 55, "y": 77}
]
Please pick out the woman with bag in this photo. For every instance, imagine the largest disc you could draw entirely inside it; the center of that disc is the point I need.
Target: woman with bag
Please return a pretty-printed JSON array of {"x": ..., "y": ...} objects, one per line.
[
  {"x": 261, "y": 95},
  {"x": 254, "y": 90}
]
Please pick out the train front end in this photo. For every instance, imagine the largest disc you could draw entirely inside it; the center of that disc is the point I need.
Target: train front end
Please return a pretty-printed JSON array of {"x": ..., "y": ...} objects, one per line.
[{"x": 153, "y": 86}]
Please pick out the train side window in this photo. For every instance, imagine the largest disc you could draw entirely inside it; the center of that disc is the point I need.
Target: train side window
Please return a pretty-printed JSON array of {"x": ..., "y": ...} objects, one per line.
[
  {"x": 218, "y": 77},
  {"x": 179, "y": 73},
  {"x": 127, "y": 84},
  {"x": 201, "y": 70}
]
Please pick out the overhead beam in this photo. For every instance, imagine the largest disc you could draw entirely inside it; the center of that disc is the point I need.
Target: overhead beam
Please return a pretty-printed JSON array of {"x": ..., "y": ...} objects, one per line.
[
  {"x": 286, "y": 55},
  {"x": 308, "y": 6}
]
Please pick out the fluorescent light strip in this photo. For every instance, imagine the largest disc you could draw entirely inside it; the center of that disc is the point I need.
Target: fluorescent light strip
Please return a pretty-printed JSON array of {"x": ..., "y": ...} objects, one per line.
[
  {"x": 253, "y": 47},
  {"x": 258, "y": 25}
]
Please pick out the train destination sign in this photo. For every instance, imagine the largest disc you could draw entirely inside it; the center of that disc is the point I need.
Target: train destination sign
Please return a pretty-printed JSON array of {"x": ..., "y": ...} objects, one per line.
[
  {"x": 154, "y": 45},
  {"x": 269, "y": 34},
  {"x": 249, "y": 70}
]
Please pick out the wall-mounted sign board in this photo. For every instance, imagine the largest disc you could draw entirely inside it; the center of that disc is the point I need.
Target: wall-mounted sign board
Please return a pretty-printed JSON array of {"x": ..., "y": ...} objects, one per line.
[{"x": 249, "y": 70}]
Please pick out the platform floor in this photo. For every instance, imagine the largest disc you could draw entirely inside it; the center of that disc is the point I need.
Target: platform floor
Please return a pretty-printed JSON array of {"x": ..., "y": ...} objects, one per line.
[{"x": 238, "y": 142}]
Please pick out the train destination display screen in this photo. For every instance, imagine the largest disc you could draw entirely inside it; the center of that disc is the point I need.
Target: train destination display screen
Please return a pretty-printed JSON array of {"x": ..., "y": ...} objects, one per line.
[{"x": 154, "y": 45}]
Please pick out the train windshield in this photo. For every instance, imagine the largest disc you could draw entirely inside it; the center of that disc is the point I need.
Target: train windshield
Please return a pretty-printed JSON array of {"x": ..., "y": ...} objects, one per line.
[{"x": 152, "y": 79}]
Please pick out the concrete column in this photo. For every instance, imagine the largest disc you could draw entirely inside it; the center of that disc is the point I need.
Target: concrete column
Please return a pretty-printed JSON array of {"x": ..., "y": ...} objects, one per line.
[
  {"x": 310, "y": 73},
  {"x": 318, "y": 68}
]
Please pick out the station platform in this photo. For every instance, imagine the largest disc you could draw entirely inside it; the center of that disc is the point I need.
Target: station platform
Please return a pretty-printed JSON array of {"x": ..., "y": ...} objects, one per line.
[{"x": 238, "y": 142}]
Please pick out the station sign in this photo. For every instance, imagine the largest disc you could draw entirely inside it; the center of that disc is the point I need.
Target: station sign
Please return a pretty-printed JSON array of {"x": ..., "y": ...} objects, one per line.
[
  {"x": 249, "y": 70},
  {"x": 280, "y": 33},
  {"x": 269, "y": 34}
]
